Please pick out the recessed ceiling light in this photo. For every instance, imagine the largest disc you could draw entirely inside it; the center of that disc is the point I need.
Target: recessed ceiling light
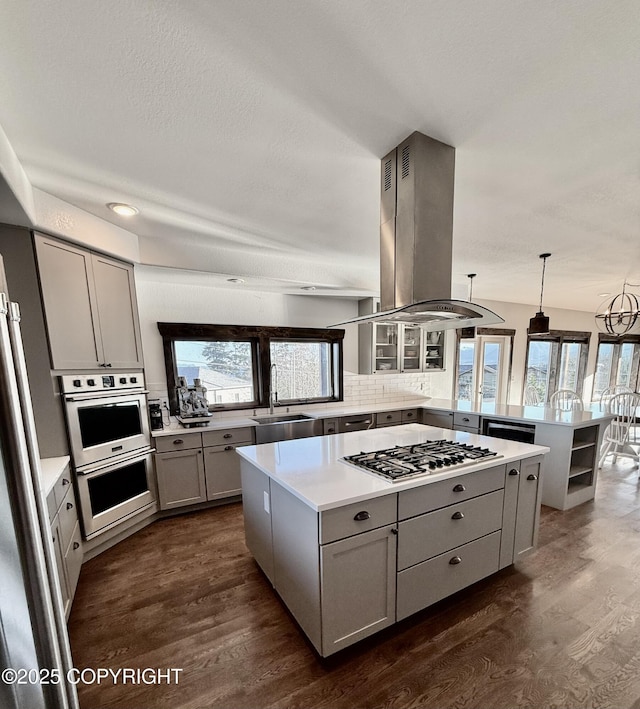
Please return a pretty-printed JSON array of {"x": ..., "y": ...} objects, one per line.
[
  {"x": 235, "y": 280},
  {"x": 603, "y": 295},
  {"x": 124, "y": 210},
  {"x": 308, "y": 288}
]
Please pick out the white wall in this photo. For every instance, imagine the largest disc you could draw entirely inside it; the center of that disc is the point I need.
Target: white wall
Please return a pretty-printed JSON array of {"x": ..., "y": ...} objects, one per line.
[{"x": 170, "y": 295}]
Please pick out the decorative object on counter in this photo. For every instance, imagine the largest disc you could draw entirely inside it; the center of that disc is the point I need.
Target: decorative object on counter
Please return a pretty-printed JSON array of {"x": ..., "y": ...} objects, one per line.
[
  {"x": 155, "y": 415},
  {"x": 469, "y": 333},
  {"x": 539, "y": 324},
  {"x": 621, "y": 314},
  {"x": 566, "y": 400},
  {"x": 192, "y": 403}
]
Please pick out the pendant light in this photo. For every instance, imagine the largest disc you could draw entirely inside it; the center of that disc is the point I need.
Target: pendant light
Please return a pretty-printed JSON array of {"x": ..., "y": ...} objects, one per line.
[
  {"x": 621, "y": 314},
  {"x": 469, "y": 333},
  {"x": 539, "y": 324}
]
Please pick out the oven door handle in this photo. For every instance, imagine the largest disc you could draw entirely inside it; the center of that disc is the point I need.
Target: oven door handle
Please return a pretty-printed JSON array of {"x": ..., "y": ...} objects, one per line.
[
  {"x": 111, "y": 462},
  {"x": 105, "y": 394}
]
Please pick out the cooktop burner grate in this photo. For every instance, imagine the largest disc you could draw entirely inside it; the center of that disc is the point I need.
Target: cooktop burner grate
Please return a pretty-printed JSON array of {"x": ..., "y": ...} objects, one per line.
[{"x": 402, "y": 462}]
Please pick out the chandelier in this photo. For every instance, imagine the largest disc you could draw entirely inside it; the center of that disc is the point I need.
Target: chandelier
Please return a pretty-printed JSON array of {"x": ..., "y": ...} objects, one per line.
[{"x": 621, "y": 314}]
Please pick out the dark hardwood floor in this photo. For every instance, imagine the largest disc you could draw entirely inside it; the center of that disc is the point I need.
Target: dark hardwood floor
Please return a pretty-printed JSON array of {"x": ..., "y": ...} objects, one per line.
[{"x": 561, "y": 629}]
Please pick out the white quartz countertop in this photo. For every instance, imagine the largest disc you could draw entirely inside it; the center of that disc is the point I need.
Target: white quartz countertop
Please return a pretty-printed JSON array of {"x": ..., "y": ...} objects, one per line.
[
  {"x": 50, "y": 471},
  {"x": 533, "y": 414},
  {"x": 312, "y": 469},
  {"x": 215, "y": 424}
]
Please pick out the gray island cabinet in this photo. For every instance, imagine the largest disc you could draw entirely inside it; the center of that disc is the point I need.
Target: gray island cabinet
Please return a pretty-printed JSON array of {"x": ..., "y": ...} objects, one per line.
[{"x": 350, "y": 553}]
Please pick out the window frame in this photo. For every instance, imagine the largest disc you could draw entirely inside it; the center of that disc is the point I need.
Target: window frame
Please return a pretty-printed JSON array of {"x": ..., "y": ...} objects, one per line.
[
  {"x": 559, "y": 338},
  {"x": 260, "y": 338},
  {"x": 617, "y": 341}
]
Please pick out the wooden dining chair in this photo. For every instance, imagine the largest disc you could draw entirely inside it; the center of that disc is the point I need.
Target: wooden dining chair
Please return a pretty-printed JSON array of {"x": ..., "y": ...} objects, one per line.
[
  {"x": 612, "y": 391},
  {"x": 566, "y": 400},
  {"x": 617, "y": 439}
]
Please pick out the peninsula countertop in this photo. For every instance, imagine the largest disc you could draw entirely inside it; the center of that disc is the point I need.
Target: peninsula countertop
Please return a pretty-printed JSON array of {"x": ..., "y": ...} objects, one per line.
[{"x": 312, "y": 469}]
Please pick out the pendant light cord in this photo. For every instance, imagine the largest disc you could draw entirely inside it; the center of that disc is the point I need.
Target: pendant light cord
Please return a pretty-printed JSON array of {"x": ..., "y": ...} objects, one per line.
[{"x": 544, "y": 258}]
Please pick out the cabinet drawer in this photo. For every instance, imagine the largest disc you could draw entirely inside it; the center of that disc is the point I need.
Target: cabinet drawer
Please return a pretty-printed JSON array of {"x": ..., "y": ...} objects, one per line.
[
  {"x": 428, "y": 582},
  {"x": 230, "y": 435},
  {"x": 52, "y": 507},
  {"x": 410, "y": 416},
  {"x": 441, "y": 419},
  {"x": 360, "y": 517},
  {"x": 423, "y": 537},
  {"x": 68, "y": 516},
  {"x": 60, "y": 488},
  {"x": 467, "y": 429},
  {"x": 467, "y": 420},
  {"x": 448, "y": 492},
  {"x": 73, "y": 559},
  {"x": 388, "y": 418},
  {"x": 180, "y": 442}
]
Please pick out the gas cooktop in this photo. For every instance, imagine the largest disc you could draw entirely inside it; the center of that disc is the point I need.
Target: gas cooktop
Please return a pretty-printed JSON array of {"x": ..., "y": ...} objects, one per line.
[{"x": 402, "y": 462}]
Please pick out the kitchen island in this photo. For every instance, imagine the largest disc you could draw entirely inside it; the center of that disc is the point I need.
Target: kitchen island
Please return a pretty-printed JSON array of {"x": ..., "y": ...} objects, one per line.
[{"x": 351, "y": 553}]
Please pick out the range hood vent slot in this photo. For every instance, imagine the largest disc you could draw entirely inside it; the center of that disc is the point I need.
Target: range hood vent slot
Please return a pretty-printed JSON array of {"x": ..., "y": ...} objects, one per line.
[
  {"x": 406, "y": 161},
  {"x": 388, "y": 166}
]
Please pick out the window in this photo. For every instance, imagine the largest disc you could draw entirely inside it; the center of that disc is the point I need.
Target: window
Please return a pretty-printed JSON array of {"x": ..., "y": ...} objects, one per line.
[
  {"x": 234, "y": 363},
  {"x": 556, "y": 361},
  {"x": 484, "y": 365},
  {"x": 303, "y": 369},
  {"x": 617, "y": 363},
  {"x": 225, "y": 368}
]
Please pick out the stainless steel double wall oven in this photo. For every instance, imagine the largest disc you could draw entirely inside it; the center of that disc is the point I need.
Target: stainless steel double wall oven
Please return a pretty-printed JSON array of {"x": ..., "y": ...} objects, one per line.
[{"x": 108, "y": 427}]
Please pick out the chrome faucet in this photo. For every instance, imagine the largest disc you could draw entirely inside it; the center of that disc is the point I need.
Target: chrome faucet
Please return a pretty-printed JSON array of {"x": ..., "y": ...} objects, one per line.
[{"x": 273, "y": 387}]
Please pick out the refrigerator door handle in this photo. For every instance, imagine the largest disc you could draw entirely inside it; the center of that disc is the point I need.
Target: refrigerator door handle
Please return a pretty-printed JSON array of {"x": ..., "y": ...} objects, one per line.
[{"x": 23, "y": 443}]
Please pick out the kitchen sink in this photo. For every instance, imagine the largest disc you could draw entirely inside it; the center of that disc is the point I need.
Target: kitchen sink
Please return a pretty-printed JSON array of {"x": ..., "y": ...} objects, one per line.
[
  {"x": 286, "y": 427},
  {"x": 266, "y": 420}
]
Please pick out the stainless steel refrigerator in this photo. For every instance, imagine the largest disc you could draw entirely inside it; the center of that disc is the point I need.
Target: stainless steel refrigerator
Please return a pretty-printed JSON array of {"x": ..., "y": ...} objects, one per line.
[{"x": 33, "y": 632}]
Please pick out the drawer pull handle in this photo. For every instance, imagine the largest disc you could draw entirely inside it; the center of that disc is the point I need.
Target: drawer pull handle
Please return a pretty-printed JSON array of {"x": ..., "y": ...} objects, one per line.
[
  {"x": 409, "y": 415},
  {"x": 389, "y": 416},
  {"x": 455, "y": 560},
  {"x": 65, "y": 481},
  {"x": 178, "y": 442},
  {"x": 457, "y": 515},
  {"x": 228, "y": 435},
  {"x": 69, "y": 506},
  {"x": 513, "y": 471},
  {"x": 76, "y": 545},
  {"x": 362, "y": 516},
  {"x": 229, "y": 448},
  {"x": 394, "y": 530},
  {"x": 459, "y": 488},
  {"x": 465, "y": 419},
  {"x": 532, "y": 477}
]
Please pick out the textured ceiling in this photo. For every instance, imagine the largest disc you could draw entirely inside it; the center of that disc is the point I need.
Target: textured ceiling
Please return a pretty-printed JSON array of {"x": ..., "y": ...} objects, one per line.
[{"x": 249, "y": 133}]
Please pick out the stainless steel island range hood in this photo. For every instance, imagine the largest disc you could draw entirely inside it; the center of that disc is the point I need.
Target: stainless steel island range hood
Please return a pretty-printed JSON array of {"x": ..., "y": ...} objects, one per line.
[{"x": 416, "y": 240}]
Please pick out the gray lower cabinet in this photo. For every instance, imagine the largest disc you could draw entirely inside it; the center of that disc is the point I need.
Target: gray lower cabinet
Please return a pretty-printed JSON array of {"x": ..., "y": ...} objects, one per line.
[
  {"x": 66, "y": 537},
  {"x": 358, "y": 587},
  {"x": 440, "y": 419},
  {"x": 347, "y": 572},
  {"x": 181, "y": 478},
  {"x": 194, "y": 467},
  {"x": 222, "y": 472}
]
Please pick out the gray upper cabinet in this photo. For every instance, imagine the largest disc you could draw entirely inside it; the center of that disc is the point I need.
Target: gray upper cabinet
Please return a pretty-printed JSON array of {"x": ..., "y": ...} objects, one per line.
[{"x": 90, "y": 307}]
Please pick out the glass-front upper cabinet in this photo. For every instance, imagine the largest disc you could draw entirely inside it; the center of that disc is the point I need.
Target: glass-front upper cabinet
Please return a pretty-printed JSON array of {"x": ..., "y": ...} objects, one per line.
[
  {"x": 434, "y": 350},
  {"x": 411, "y": 352},
  {"x": 399, "y": 348},
  {"x": 386, "y": 348}
]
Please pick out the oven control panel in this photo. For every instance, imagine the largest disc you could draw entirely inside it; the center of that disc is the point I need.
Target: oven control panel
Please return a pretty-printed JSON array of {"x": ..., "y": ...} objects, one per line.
[{"x": 84, "y": 383}]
